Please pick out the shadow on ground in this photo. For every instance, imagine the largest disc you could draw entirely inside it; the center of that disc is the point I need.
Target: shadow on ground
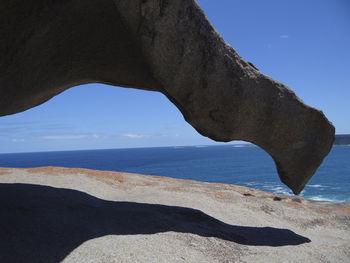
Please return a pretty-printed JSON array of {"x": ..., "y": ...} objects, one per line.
[{"x": 44, "y": 224}]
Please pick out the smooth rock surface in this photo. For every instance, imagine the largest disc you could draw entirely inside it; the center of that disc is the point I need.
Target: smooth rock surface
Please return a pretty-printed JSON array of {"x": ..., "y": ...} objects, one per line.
[
  {"x": 48, "y": 46},
  {"x": 66, "y": 215}
]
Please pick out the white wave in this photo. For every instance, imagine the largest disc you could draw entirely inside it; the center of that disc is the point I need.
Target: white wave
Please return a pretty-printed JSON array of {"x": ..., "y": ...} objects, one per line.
[
  {"x": 322, "y": 198},
  {"x": 277, "y": 189},
  {"x": 251, "y": 183},
  {"x": 316, "y": 185}
]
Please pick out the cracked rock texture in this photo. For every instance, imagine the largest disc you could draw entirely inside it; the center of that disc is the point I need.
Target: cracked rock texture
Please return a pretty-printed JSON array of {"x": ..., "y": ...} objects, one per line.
[
  {"x": 54, "y": 214},
  {"x": 48, "y": 46}
]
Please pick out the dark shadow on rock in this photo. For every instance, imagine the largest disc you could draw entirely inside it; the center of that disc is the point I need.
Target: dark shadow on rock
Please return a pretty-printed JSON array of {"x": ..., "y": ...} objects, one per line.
[{"x": 44, "y": 224}]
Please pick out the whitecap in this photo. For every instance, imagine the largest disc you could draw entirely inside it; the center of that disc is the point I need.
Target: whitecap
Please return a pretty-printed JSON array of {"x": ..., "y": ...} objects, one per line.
[
  {"x": 322, "y": 198},
  {"x": 277, "y": 189},
  {"x": 316, "y": 185},
  {"x": 251, "y": 183}
]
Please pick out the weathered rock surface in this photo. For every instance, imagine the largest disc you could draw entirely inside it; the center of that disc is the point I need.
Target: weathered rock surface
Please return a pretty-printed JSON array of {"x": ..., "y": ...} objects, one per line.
[
  {"x": 48, "y": 46},
  {"x": 78, "y": 215}
]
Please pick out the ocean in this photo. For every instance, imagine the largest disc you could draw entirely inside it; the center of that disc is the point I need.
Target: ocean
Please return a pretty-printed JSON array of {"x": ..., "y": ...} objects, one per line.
[{"x": 232, "y": 164}]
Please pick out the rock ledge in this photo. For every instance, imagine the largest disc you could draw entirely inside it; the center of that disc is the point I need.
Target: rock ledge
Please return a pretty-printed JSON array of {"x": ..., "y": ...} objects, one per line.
[{"x": 54, "y": 214}]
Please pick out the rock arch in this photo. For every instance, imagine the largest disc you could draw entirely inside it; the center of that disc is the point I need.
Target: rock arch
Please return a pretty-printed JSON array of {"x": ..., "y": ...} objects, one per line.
[{"x": 48, "y": 46}]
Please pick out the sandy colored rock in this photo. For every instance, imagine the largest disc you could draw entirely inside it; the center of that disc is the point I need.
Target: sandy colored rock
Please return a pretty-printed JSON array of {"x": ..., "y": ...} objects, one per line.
[
  {"x": 49, "y": 46},
  {"x": 77, "y": 215}
]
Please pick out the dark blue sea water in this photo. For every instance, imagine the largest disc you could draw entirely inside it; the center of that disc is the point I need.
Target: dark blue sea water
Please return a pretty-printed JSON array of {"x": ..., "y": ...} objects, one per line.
[{"x": 247, "y": 166}]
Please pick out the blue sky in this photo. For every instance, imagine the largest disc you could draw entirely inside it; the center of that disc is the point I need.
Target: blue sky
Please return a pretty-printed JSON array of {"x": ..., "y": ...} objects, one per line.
[{"x": 304, "y": 44}]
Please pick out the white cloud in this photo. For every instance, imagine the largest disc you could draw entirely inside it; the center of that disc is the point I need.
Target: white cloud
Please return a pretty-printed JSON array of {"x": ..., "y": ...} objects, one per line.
[
  {"x": 70, "y": 137},
  {"x": 17, "y": 140},
  {"x": 135, "y": 136},
  {"x": 284, "y": 36}
]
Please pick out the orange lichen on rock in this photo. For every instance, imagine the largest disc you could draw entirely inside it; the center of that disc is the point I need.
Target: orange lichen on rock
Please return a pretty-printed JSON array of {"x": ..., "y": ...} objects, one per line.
[
  {"x": 318, "y": 209},
  {"x": 223, "y": 195},
  {"x": 50, "y": 170},
  {"x": 219, "y": 191},
  {"x": 150, "y": 184},
  {"x": 301, "y": 205},
  {"x": 108, "y": 177},
  {"x": 345, "y": 210},
  {"x": 173, "y": 188},
  {"x": 4, "y": 170},
  {"x": 323, "y": 210}
]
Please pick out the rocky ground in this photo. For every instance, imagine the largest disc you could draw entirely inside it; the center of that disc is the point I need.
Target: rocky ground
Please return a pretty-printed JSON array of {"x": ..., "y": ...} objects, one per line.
[{"x": 56, "y": 214}]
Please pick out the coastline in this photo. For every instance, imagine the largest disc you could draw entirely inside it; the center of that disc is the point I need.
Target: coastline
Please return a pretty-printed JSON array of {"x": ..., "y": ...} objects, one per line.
[
  {"x": 245, "y": 166},
  {"x": 113, "y": 176},
  {"x": 178, "y": 218}
]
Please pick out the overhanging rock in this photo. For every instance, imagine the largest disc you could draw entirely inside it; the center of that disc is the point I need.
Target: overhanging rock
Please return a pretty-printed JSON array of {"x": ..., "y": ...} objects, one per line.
[{"x": 48, "y": 46}]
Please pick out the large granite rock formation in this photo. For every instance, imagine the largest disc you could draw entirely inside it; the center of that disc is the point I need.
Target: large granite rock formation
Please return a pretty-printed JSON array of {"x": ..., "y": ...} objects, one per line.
[
  {"x": 53, "y": 214},
  {"x": 48, "y": 46}
]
